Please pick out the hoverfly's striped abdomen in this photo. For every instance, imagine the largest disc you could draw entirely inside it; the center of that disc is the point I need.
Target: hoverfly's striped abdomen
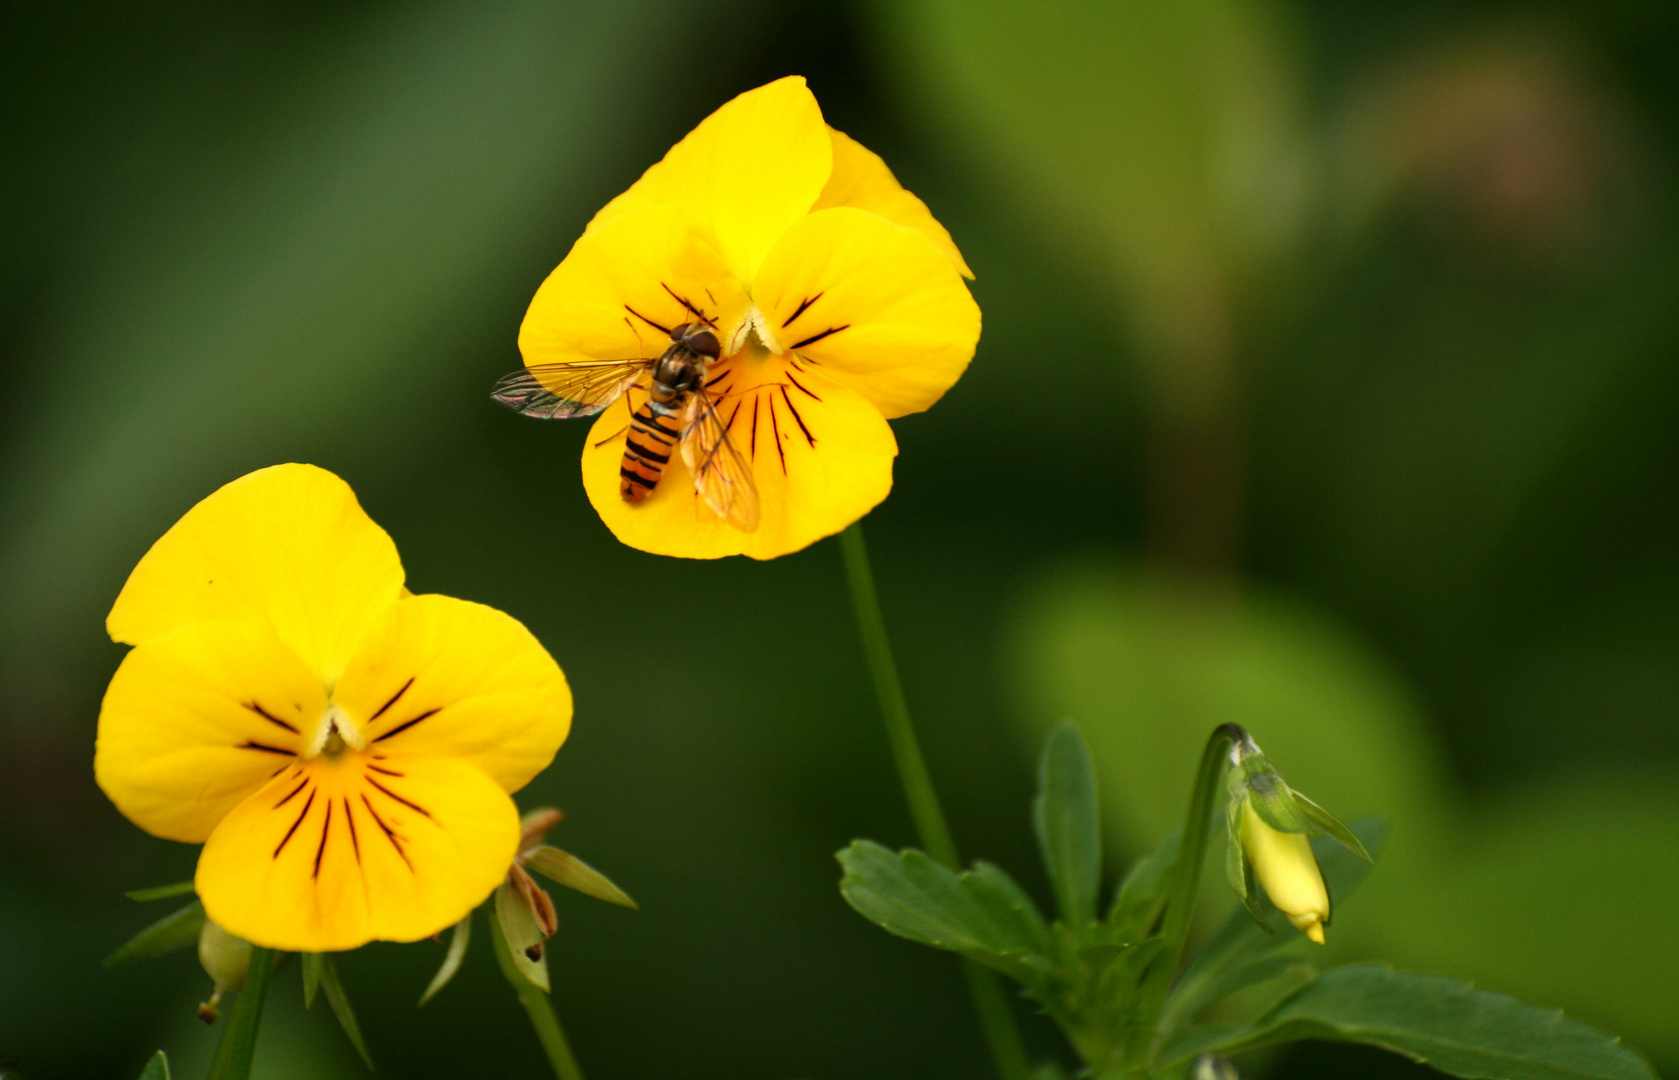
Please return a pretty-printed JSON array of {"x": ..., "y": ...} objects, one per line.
[{"x": 654, "y": 431}]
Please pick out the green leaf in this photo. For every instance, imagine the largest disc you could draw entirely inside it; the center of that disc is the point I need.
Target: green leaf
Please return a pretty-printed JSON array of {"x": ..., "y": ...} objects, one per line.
[
  {"x": 340, "y": 1003},
  {"x": 452, "y": 959},
  {"x": 1065, "y": 815},
  {"x": 311, "y": 977},
  {"x": 169, "y": 933},
  {"x": 162, "y": 892},
  {"x": 1447, "y": 1024},
  {"x": 982, "y": 913},
  {"x": 1332, "y": 826},
  {"x": 523, "y": 935},
  {"x": 1241, "y": 941},
  {"x": 567, "y": 869},
  {"x": 158, "y": 1067},
  {"x": 1142, "y": 894}
]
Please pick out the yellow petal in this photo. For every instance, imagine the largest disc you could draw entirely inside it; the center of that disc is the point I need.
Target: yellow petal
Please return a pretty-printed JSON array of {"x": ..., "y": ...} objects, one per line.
[
  {"x": 195, "y": 721},
  {"x": 748, "y": 171},
  {"x": 338, "y": 851},
  {"x": 619, "y": 280},
  {"x": 861, "y": 179},
  {"x": 883, "y": 309},
  {"x": 457, "y": 679},
  {"x": 821, "y": 457},
  {"x": 287, "y": 545}
]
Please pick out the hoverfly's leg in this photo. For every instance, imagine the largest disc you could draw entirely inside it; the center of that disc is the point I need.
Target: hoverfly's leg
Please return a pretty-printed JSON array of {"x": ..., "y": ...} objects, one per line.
[{"x": 692, "y": 310}]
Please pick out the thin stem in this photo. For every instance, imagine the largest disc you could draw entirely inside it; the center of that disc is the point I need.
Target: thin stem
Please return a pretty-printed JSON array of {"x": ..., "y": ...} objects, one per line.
[
  {"x": 538, "y": 1008},
  {"x": 1002, "y": 1035},
  {"x": 239, "y": 1038},
  {"x": 1186, "y": 881}
]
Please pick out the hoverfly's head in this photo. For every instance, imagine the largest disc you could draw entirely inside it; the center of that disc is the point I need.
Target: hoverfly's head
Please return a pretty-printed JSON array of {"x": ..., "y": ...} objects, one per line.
[{"x": 699, "y": 338}]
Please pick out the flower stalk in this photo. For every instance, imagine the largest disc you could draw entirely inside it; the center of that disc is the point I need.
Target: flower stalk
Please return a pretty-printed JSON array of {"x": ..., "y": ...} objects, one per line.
[
  {"x": 538, "y": 1008},
  {"x": 1185, "y": 881},
  {"x": 238, "y": 1046},
  {"x": 1002, "y": 1034}
]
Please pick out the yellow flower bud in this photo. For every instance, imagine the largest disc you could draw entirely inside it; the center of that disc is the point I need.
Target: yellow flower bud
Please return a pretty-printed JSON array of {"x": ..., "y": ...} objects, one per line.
[{"x": 1284, "y": 864}]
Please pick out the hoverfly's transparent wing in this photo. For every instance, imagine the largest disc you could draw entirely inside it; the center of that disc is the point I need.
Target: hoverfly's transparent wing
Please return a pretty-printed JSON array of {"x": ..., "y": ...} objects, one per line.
[
  {"x": 564, "y": 391},
  {"x": 721, "y": 476}
]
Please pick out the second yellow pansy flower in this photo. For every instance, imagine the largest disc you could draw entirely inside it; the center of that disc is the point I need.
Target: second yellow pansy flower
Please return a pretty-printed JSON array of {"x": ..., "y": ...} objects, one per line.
[
  {"x": 838, "y": 303},
  {"x": 343, "y": 749}
]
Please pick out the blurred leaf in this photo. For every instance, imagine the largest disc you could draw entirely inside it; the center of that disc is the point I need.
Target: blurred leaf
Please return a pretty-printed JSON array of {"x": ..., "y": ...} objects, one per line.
[
  {"x": 1150, "y": 666},
  {"x": 161, "y": 892},
  {"x": 568, "y": 870},
  {"x": 312, "y": 964},
  {"x": 458, "y": 942},
  {"x": 523, "y": 935},
  {"x": 1069, "y": 830},
  {"x": 175, "y": 930},
  {"x": 1142, "y": 894},
  {"x": 980, "y": 913},
  {"x": 340, "y": 1003},
  {"x": 1165, "y": 133},
  {"x": 1445, "y": 1023},
  {"x": 157, "y": 1068},
  {"x": 1221, "y": 966}
]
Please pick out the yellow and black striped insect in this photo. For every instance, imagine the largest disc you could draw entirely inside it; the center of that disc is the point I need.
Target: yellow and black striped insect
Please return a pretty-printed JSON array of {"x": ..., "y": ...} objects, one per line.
[{"x": 679, "y": 414}]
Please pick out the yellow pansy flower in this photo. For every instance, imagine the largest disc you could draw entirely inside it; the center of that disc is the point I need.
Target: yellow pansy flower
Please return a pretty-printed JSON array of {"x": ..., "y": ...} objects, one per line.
[
  {"x": 835, "y": 299},
  {"x": 343, "y": 749}
]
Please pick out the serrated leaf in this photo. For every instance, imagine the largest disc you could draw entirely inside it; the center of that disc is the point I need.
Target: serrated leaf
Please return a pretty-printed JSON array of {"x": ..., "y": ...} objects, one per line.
[
  {"x": 566, "y": 869},
  {"x": 1447, "y": 1024},
  {"x": 1243, "y": 939},
  {"x": 1140, "y": 897},
  {"x": 982, "y": 914},
  {"x": 340, "y": 1003},
  {"x": 1065, "y": 815},
  {"x": 158, "y": 1067},
  {"x": 161, "y": 892},
  {"x": 458, "y": 942},
  {"x": 175, "y": 930},
  {"x": 523, "y": 936},
  {"x": 1332, "y": 826},
  {"x": 311, "y": 977}
]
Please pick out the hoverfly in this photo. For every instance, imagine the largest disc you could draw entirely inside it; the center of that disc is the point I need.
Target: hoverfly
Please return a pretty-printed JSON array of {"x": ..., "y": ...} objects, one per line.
[{"x": 679, "y": 411}]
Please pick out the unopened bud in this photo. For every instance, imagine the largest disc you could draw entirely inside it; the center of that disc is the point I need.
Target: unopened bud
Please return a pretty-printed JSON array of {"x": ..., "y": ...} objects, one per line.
[{"x": 1286, "y": 868}]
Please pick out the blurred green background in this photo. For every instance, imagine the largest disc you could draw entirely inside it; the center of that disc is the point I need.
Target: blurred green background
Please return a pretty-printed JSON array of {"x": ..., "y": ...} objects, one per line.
[{"x": 1328, "y": 385}]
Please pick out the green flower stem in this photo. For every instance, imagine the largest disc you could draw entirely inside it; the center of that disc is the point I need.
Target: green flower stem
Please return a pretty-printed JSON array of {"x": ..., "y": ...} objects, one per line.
[
  {"x": 538, "y": 1007},
  {"x": 1186, "y": 881},
  {"x": 990, "y": 1001},
  {"x": 239, "y": 1038}
]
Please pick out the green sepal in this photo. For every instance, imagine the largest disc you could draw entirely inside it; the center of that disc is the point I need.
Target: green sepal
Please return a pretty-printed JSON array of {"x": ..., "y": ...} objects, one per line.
[
  {"x": 1331, "y": 826},
  {"x": 1444, "y": 1022},
  {"x": 1251, "y": 901},
  {"x": 566, "y": 869},
  {"x": 340, "y": 1003},
  {"x": 162, "y": 892},
  {"x": 523, "y": 935},
  {"x": 1255, "y": 777},
  {"x": 174, "y": 931},
  {"x": 311, "y": 977},
  {"x": 458, "y": 942},
  {"x": 1140, "y": 897},
  {"x": 981, "y": 913},
  {"x": 157, "y": 1068},
  {"x": 1066, "y": 819}
]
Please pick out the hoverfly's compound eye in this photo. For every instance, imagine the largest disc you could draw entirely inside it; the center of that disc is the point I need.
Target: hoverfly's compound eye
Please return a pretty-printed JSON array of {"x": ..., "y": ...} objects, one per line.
[
  {"x": 705, "y": 343},
  {"x": 682, "y": 330}
]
